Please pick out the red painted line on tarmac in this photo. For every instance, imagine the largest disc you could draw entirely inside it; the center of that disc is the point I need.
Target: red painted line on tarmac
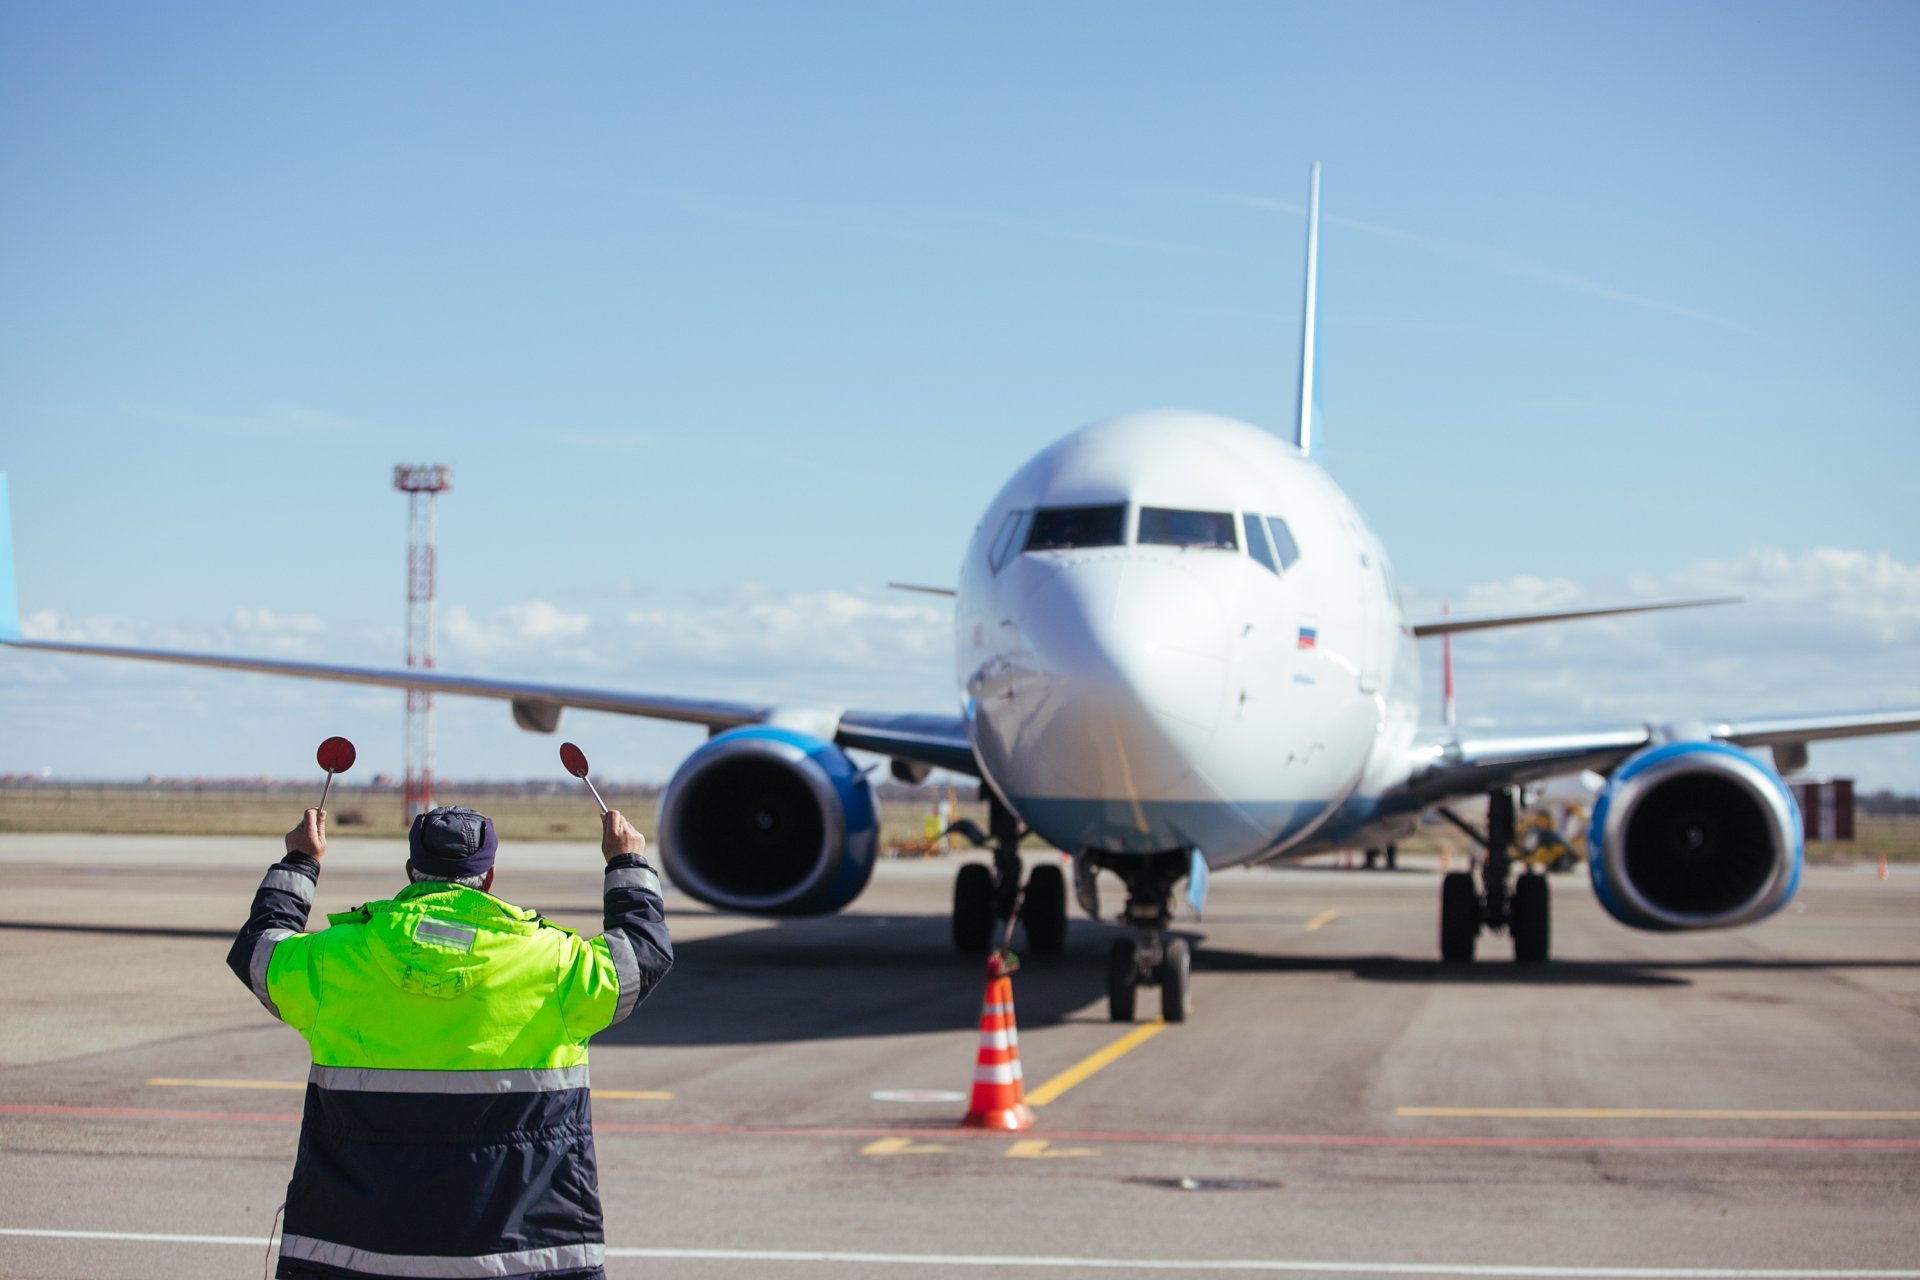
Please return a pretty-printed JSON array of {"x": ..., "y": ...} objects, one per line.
[
  {"x": 156, "y": 1113},
  {"x": 1091, "y": 1136}
]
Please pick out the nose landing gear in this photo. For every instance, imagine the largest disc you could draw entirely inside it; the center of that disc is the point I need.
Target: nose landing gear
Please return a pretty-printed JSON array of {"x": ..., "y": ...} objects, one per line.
[{"x": 1151, "y": 959}]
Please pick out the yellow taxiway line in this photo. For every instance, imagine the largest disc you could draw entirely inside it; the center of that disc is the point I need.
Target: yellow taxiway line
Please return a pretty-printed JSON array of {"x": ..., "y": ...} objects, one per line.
[
  {"x": 1324, "y": 919},
  {"x": 1640, "y": 1113},
  {"x": 642, "y": 1095},
  {"x": 1093, "y": 1062}
]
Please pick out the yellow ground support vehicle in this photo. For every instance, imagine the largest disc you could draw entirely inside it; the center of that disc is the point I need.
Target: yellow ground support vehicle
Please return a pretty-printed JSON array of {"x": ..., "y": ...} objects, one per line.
[{"x": 1552, "y": 837}]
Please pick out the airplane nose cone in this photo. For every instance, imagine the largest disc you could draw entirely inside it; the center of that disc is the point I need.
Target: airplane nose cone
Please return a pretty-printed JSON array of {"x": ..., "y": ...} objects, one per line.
[
  {"x": 1160, "y": 637},
  {"x": 1125, "y": 675}
]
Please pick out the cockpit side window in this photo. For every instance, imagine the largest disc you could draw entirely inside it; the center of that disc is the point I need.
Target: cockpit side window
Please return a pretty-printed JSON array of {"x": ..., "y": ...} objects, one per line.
[
  {"x": 1167, "y": 527},
  {"x": 1283, "y": 542},
  {"x": 1064, "y": 528},
  {"x": 1007, "y": 539},
  {"x": 1257, "y": 545}
]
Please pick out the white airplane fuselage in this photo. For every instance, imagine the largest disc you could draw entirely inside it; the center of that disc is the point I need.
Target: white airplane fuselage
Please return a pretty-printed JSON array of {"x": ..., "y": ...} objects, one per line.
[{"x": 1133, "y": 696}]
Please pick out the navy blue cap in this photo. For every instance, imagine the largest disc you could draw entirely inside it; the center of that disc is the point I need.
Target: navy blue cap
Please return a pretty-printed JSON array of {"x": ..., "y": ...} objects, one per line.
[{"x": 452, "y": 842}]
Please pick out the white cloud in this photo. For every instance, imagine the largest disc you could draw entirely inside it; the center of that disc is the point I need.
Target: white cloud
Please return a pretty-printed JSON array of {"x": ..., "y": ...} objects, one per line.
[
  {"x": 45, "y": 624},
  {"x": 538, "y": 620},
  {"x": 516, "y": 628},
  {"x": 266, "y": 620},
  {"x": 831, "y": 628}
]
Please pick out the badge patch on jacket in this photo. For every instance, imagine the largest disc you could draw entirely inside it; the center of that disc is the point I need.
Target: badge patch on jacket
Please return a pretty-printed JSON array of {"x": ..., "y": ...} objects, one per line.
[{"x": 447, "y": 935}]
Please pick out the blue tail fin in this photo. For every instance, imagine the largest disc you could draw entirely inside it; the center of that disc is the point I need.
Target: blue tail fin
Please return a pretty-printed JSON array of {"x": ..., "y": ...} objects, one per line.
[
  {"x": 1310, "y": 324},
  {"x": 9, "y": 601}
]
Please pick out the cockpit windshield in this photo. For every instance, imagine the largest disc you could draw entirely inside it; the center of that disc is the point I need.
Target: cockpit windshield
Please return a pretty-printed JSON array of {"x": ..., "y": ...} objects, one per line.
[
  {"x": 1063, "y": 528},
  {"x": 1166, "y": 527}
]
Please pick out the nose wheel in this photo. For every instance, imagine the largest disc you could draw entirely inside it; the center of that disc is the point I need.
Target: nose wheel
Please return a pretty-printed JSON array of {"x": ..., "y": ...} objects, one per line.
[
  {"x": 1150, "y": 958},
  {"x": 1166, "y": 963}
]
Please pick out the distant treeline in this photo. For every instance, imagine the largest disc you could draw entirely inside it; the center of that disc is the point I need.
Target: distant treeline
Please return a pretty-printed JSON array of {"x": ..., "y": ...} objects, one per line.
[
  {"x": 382, "y": 785},
  {"x": 966, "y": 790},
  {"x": 1885, "y": 802}
]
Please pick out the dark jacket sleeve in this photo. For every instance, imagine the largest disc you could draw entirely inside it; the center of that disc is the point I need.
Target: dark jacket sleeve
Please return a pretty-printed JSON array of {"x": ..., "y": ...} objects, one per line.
[
  {"x": 280, "y": 910},
  {"x": 636, "y": 930}
]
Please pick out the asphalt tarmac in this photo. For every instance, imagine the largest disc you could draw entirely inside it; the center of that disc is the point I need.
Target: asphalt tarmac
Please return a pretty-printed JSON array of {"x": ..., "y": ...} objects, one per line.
[{"x": 1729, "y": 1104}]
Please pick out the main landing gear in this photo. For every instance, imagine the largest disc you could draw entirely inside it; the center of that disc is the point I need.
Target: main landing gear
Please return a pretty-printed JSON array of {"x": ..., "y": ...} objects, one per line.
[
  {"x": 984, "y": 898},
  {"x": 1466, "y": 908},
  {"x": 1151, "y": 959}
]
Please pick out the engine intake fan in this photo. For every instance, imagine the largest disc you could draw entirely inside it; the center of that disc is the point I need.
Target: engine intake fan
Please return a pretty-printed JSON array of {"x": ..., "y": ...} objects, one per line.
[
  {"x": 1694, "y": 835},
  {"x": 769, "y": 821}
]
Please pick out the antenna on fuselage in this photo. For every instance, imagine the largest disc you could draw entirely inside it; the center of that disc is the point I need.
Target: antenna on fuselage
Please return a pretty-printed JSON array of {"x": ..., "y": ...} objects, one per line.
[{"x": 1310, "y": 322}]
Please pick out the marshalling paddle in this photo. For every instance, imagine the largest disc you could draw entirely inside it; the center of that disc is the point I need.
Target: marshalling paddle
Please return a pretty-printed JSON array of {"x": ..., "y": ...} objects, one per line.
[
  {"x": 336, "y": 755},
  {"x": 576, "y": 762}
]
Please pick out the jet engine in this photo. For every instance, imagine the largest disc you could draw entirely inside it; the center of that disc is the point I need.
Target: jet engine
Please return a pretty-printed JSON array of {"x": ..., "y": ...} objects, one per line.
[
  {"x": 1694, "y": 835},
  {"x": 770, "y": 821}
]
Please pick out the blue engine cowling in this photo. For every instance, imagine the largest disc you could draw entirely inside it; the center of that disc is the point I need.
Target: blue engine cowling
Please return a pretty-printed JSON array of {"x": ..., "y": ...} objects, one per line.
[
  {"x": 769, "y": 821},
  {"x": 1694, "y": 835}
]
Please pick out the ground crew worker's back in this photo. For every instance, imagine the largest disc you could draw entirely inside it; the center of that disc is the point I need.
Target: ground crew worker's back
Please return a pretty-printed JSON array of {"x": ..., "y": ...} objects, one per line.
[
  {"x": 447, "y": 1128},
  {"x": 444, "y": 978}
]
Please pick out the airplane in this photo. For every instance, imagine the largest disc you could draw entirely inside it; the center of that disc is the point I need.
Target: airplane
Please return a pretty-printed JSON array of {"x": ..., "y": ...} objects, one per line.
[{"x": 1179, "y": 649}]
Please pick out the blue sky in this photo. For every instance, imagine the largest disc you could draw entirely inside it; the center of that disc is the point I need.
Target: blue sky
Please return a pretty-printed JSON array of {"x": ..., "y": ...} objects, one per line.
[{"x": 726, "y": 315}]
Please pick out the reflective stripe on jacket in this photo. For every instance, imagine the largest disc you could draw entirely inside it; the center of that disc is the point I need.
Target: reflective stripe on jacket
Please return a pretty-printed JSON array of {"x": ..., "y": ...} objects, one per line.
[{"x": 447, "y": 1130}]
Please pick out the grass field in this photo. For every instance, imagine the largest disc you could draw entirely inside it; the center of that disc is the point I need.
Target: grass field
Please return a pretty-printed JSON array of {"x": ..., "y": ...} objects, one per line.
[{"x": 565, "y": 812}]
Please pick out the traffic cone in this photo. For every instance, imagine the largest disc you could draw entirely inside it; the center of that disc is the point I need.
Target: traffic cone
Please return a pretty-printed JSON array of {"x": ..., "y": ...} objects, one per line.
[
  {"x": 999, "y": 1097},
  {"x": 1883, "y": 866}
]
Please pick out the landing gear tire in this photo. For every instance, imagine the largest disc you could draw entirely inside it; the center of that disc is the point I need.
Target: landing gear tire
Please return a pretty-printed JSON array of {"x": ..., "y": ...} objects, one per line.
[
  {"x": 1045, "y": 910},
  {"x": 1532, "y": 923},
  {"x": 1120, "y": 987},
  {"x": 1176, "y": 981},
  {"x": 973, "y": 908},
  {"x": 1459, "y": 917}
]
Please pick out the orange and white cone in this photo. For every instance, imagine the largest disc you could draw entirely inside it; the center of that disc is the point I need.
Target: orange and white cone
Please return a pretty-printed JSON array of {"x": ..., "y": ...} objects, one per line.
[
  {"x": 1883, "y": 866},
  {"x": 999, "y": 1096}
]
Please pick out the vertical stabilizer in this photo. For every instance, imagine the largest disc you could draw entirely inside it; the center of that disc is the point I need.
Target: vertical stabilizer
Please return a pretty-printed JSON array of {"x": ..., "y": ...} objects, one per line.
[
  {"x": 9, "y": 601},
  {"x": 1310, "y": 324}
]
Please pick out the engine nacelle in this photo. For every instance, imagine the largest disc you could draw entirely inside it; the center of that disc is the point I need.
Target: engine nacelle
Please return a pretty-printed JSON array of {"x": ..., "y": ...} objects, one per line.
[
  {"x": 1694, "y": 835},
  {"x": 535, "y": 716},
  {"x": 770, "y": 821}
]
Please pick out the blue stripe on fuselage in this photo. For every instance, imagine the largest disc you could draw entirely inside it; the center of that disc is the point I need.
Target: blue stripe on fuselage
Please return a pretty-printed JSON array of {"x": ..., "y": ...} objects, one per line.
[{"x": 1229, "y": 833}]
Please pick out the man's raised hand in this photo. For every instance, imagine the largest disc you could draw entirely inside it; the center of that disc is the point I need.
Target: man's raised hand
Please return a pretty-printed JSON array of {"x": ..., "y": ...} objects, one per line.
[
  {"x": 617, "y": 836},
  {"x": 310, "y": 837}
]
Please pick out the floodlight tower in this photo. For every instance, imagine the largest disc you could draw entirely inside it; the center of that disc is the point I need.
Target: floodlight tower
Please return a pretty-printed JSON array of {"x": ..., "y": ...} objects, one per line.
[{"x": 421, "y": 484}]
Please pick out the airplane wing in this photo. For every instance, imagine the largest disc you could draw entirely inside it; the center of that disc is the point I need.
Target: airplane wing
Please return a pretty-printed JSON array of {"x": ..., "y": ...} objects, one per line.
[
  {"x": 1446, "y": 626},
  {"x": 940, "y": 741},
  {"x": 1472, "y": 765},
  {"x": 713, "y": 713}
]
